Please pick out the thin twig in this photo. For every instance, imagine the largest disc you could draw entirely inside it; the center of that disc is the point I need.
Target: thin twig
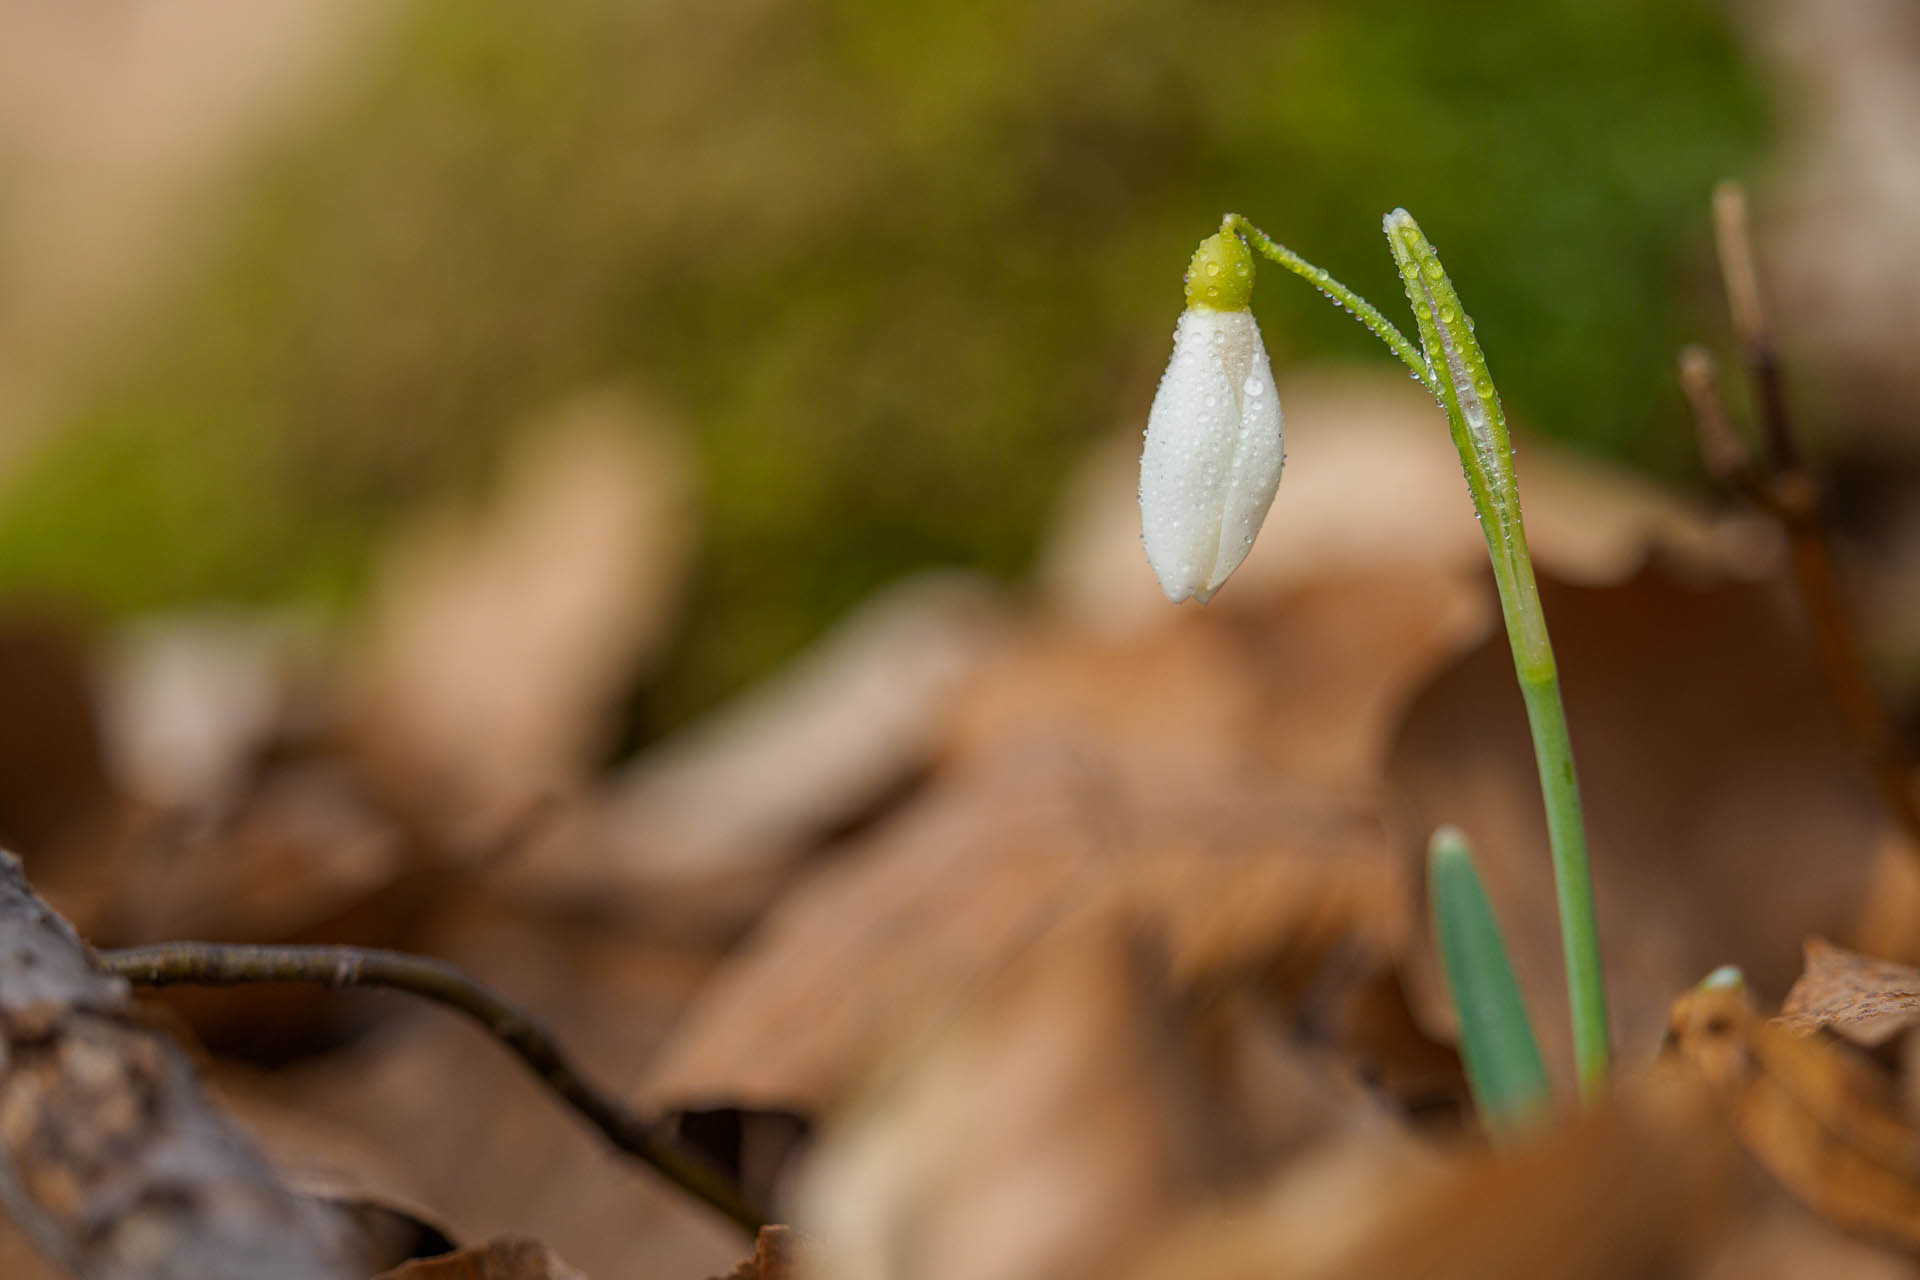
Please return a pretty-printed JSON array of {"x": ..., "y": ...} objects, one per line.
[
  {"x": 222, "y": 964},
  {"x": 1787, "y": 490}
]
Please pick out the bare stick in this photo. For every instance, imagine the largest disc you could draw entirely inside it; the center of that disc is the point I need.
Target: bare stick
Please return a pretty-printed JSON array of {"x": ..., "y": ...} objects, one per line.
[
  {"x": 222, "y": 964},
  {"x": 112, "y": 1161},
  {"x": 1786, "y": 489}
]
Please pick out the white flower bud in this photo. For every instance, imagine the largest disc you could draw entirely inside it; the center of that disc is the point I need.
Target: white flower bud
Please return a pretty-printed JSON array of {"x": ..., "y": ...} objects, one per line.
[{"x": 1213, "y": 452}]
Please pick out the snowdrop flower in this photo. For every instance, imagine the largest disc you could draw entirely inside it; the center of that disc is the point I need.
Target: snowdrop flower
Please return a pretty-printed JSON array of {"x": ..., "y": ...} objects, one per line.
[{"x": 1212, "y": 457}]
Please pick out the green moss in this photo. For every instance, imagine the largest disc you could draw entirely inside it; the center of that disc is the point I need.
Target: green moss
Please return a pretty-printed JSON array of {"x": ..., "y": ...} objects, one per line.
[{"x": 895, "y": 265}]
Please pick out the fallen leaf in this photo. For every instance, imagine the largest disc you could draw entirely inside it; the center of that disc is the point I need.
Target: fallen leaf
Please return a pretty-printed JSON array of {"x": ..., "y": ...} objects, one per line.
[
  {"x": 1643, "y": 1187},
  {"x": 776, "y": 1256},
  {"x": 504, "y": 1259},
  {"x": 951, "y": 892},
  {"x": 1862, "y": 1000},
  {"x": 498, "y": 642},
  {"x": 706, "y": 825},
  {"x": 1058, "y": 1121},
  {"x": 1821, "y": 1117}
]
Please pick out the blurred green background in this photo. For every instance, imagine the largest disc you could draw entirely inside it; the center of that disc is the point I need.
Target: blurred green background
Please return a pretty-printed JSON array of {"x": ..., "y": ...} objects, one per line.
[{"x": 895, "y": 266}]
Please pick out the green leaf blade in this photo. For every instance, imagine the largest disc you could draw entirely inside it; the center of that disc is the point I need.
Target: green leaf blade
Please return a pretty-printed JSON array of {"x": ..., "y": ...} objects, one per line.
[{"x": 1504, "y": 1068}]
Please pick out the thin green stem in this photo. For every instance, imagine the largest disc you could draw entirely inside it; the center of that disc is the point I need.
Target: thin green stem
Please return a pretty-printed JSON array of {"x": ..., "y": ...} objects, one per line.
[
  {"x": 1572, "y": 883},
  {"x": 1362, "y": 310},
  {"x": 1479, "y": 427}
]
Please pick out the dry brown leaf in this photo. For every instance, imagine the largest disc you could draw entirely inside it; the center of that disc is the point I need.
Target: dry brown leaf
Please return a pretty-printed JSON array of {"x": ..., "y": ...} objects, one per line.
[
  {"x": 363, "y": 1180},
  {"x": 1788, "y": 1242},
  {"x": 776, "y": 1256},
  {"x": 1644, "y": 1187},
  {"x": 1862, "y": 1000},
  {"x": 1056, "y": 1123},
  {"x": 1301, "y": 691},
  {"x": 499, "y": 642},
  {"x": 1317, "y": 1210},
  {"x": 951, "y": 892},
  {"x": 704, "y": 826},
  {"x": 1728, "y": 813},
  {"x": 1822, "y": 1118},
  {"x": 54, "y": 783},
  {"x": 306, "y": 844},
  {"x": 1890, "y": 922},
  {"x": 504, "y": 1259}
]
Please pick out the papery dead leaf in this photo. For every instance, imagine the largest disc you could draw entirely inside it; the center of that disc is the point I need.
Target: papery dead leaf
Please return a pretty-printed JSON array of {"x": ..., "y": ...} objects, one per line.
[
  {"x": 1644, "y": 1187},
  {"x": 952, "y": 892},
  {"x": 1823, "y": 1119},
  {"x": 1317, "y": 1210},
  {"x": 504, "y": 1259},
  {"x": 55, "y": 789},
  {"x": 498, "y": 643},
  {"x": 1062, "y": 1118},
  {"x": 704, "y": 826},
  {"x": 776, "y": 1256},
  {"x": 1862, "y": 1000}
]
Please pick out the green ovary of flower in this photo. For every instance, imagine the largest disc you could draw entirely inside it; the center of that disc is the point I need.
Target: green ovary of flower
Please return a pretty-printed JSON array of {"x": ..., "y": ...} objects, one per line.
[{"x": 1220, "y": 276}]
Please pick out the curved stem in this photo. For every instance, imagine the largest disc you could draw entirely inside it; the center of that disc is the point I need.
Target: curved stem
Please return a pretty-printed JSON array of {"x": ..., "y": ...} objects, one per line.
[
  {"x": 1362, "y": 310},
  {"x": 1479, "y": 427},
  {"x": 214, "y": 964}
]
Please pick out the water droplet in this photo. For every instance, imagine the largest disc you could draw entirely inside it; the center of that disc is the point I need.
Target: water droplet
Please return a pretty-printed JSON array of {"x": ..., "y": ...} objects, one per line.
[
  {"x": 1213, "y": 291},
  {"x": 1447, "y": 314},
  {"x": 1242, "y": 268},
  {"x": 1212, "y": 401},
  {"x": 1320, "y": 274},
  {"x": 1254, "y": 387},
  {"x": 1433, "y": 270},
  {"x": 1213, "y": 268}
]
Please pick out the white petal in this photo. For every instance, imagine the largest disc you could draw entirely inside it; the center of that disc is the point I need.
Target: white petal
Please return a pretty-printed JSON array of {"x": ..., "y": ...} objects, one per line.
[{"x": 1213, "y": 454}]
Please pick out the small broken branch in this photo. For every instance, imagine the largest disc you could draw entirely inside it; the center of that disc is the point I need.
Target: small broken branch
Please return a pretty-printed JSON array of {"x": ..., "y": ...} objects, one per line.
[
  {"x": 1785, "y": 487},
  {"x": 222, "y": 964},
  {"x": 112, "y": 1161}
]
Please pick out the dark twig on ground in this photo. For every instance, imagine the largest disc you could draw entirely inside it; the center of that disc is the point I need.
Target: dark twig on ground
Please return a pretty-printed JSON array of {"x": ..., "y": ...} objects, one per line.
[
  {"x": 1784, "y": 487},
  {"x": 220, "y": 964},
  {"x": 112, "y": 1161}
]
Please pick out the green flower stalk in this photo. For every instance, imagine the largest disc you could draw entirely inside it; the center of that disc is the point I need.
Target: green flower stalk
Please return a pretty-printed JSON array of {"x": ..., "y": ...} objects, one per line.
[
  {"x": 1458, "y": 371},
  {"x": 1450, "y": 364}
]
